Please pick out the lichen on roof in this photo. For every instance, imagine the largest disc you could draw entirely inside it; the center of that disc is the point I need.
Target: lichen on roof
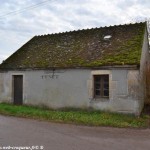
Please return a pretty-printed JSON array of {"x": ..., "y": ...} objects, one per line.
[{"x": 83, "y": 48}]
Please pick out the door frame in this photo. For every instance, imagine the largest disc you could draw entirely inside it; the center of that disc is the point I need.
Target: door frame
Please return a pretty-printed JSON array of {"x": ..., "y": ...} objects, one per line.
[{"x": 12, "y": 76}]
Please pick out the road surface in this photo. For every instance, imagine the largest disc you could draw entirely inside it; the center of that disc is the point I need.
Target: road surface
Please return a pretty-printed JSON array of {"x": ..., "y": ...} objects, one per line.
[{"x": 20, "y": 132}]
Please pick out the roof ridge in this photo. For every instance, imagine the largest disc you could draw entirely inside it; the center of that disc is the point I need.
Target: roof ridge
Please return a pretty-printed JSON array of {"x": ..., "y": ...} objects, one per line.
[{"x": 71, "y": 31}]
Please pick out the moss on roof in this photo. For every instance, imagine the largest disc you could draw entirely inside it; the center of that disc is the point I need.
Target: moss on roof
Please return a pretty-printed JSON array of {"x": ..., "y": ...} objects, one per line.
[{"x": 83, "y": 48}]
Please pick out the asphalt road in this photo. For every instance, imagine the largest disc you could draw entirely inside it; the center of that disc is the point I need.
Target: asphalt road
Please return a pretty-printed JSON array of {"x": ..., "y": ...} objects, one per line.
[{"x": 18, "y": 132}]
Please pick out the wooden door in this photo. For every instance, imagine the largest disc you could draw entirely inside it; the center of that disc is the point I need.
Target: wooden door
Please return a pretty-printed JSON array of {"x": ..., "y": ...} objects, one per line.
[{"x": 18, "y": 89}]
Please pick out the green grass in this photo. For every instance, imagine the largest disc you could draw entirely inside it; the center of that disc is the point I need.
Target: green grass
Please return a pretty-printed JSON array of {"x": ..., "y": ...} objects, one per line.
[{"x": 82, "y": 117}]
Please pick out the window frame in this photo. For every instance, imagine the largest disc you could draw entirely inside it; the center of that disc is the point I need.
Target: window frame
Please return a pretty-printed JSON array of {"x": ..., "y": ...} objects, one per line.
[{"x": 102, "y": 77}]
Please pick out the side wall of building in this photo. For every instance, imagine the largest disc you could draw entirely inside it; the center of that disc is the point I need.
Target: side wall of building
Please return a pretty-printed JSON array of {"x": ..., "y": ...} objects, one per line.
[
  {"x": 145, "y": 69},
  {"x": 74, "y": 88}
]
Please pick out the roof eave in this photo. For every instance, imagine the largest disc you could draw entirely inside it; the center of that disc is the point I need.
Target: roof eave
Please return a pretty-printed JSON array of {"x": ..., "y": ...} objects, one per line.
[{"x": 130, "y": 67}]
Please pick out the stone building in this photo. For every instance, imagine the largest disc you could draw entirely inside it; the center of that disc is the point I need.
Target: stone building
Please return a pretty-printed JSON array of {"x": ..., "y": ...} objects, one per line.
[{"x": 101, "y": 68}]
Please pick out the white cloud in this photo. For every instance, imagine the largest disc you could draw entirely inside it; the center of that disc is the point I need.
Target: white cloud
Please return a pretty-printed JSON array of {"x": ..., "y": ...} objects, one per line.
[{"x": 62, "y": 15}]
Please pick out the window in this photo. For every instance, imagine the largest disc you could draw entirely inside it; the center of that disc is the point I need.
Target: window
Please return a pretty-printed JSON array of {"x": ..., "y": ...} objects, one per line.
[{"x": 101, "y": 86}]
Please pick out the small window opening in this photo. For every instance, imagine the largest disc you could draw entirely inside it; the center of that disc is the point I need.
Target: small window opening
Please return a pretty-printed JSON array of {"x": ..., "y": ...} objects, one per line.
[{"x": 101, "y": 86}]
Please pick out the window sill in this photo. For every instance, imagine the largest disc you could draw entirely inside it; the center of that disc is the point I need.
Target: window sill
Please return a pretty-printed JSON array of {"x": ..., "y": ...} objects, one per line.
[{"x": 100, "y": 99}]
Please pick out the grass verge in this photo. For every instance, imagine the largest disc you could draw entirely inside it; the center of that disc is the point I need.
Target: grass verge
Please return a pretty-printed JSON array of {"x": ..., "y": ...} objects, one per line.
[{"x": 84, "y": 117}]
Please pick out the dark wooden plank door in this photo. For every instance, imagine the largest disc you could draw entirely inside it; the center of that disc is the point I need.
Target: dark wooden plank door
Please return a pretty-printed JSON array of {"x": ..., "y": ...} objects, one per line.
[{"x": 18, "y": 89}]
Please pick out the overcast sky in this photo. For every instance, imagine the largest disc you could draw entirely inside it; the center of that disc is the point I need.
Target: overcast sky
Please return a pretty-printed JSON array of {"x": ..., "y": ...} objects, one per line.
[{"x": 20, "y": 20}]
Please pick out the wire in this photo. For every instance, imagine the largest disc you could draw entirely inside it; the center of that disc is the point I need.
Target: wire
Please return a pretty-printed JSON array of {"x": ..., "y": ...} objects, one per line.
[{"x": 25, "y": 9}]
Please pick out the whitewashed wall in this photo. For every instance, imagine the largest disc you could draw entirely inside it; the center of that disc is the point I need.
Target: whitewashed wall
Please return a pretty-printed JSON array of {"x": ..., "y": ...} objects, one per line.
[{"x": 74, "y": 88}]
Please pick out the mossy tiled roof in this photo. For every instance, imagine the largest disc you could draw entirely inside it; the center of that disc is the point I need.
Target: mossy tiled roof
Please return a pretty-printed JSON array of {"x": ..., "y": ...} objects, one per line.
[{"x": 83, "y": 48}]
